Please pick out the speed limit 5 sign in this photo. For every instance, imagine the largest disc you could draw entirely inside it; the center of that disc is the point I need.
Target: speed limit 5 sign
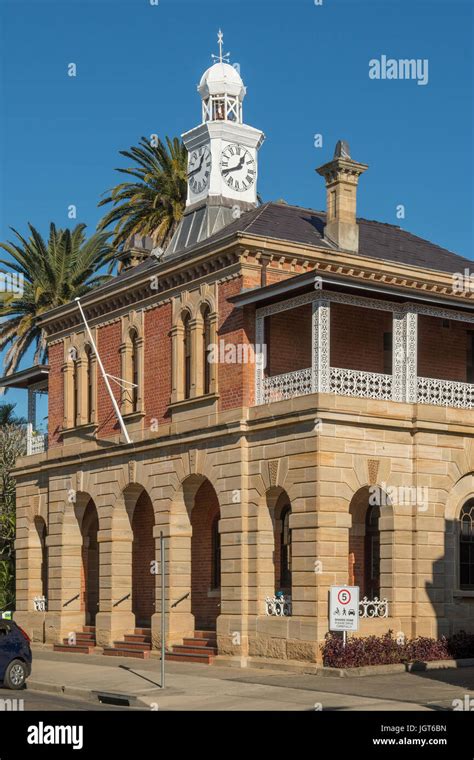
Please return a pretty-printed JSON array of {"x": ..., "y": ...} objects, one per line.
[{"x": 344, "y": 608}]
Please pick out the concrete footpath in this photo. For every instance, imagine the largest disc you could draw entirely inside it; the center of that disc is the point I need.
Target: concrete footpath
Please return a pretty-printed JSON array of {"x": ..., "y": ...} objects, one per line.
[{"x": 122, "y": 680}]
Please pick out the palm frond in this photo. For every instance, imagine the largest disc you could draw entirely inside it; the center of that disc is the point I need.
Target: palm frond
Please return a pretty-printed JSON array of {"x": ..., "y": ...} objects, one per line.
[{"x": 153, "y": 201}]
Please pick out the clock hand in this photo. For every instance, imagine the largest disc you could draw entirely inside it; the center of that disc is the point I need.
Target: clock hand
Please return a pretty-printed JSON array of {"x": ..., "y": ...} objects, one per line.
[
  {"x": 234, "y": 168},
  {"x": 195, "y": 171}
]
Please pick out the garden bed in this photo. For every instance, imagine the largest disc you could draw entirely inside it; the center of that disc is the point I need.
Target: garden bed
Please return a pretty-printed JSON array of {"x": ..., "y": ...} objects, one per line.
[{"x": 412, "y": 654}]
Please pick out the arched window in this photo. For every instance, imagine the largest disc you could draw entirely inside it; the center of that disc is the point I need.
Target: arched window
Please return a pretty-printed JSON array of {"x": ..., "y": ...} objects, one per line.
[
  {"x": 134, "y": 377},
  {"x": 285, "y": 550},
  {"x": 42, "y": 534},
  {"x": 216, "y": 554},
  {"x": 187, "y": 355},
  {"x": 372, "y": 552},
  {"x": 89, "y": 383},
  {"x": 466, "y": 546},
  {"x": 206, "y": 342},
  {"x": 75, "y": 389}
]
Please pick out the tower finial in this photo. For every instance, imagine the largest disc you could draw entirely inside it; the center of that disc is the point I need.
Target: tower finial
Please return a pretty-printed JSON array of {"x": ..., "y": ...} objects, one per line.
[{"x": 222, "y": 57}]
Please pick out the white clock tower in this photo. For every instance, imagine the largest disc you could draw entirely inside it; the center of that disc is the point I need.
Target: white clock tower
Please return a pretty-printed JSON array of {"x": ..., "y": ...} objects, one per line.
[{"x": 222, "y": 157}]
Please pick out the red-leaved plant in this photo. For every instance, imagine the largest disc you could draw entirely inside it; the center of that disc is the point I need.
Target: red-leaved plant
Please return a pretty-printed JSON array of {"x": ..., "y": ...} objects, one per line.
[{"x": 386, "y": 650}]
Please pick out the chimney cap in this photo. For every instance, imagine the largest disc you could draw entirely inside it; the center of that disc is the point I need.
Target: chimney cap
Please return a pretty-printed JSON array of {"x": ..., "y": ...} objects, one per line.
[{"x": 342, "y": 149}]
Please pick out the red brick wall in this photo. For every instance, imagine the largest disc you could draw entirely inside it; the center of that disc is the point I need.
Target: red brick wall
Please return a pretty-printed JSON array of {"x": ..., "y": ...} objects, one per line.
[
  {"x": 205, "y": 608},
  {"x": 442, "y": 351},
  {"x": 357, "y": 562},
  {"x": 235, "y": 326},
  {"x": 143, "y": 554},
  {"x": 157, "y": 363},
  {"x": 289, "y": 340},
  {"x": 109, "y": 338},
  {"x": 90, "y": 563},
  {"x": 55, "y": 394},
  {"x": 357, "y": 337}
]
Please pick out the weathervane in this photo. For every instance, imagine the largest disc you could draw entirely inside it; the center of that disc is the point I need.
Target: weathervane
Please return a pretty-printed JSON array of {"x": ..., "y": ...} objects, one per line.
[{"x": 222, "y": 57}]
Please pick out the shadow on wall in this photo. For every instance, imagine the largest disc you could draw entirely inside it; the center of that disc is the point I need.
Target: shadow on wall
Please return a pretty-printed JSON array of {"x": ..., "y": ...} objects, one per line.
[{"x": 451, "y": 590}]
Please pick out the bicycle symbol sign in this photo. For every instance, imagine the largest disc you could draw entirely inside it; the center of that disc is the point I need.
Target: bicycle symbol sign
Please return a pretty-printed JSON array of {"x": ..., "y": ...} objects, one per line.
[{"x": 344, "y": 608}]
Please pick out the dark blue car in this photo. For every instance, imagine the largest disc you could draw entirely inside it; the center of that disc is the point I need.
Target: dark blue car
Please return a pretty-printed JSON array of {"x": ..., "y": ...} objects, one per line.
[{"x": 15, "y": 655}]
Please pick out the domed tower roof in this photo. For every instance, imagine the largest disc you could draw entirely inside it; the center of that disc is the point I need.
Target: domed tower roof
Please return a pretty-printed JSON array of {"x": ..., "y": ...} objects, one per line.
[
  {"x": 221, "y": 79},
  {"x": 221, "y": 89}
]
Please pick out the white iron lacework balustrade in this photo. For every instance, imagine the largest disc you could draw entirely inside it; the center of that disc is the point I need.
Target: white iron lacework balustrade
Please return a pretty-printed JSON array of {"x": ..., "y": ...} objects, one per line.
[
  {"x": 279, "y": 606},
  {"x": 445, "y": 393},
  {"x": 373, "y": 608},
  {"x": 403, "y": 385},
  {"x": 289, "y": 385},
  {"x": 351, "y": 382}
]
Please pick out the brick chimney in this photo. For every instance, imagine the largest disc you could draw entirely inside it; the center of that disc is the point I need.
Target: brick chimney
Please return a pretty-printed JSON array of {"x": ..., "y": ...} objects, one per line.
[
  {"x": 342, "y": 176},
  {"x": 136, "y": 249}
]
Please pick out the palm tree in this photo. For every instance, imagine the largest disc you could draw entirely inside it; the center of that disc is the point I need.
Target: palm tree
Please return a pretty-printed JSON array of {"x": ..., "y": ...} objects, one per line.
[
  {"x": 55, "y": 272},
  {"x": 153, "y": 202},
  {"x": 7, "y": 417}
]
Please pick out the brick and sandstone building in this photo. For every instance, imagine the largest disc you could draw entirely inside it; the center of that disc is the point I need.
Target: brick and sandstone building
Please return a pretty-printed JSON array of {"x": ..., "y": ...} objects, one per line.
[{"x": 300, "y": 402}]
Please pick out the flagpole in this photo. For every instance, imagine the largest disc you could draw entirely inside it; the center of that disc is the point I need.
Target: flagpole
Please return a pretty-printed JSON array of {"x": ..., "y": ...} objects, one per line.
[{"x": 104, "y": 375}]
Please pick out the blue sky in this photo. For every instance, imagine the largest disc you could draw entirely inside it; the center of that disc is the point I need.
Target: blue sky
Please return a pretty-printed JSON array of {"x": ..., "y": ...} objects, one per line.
[{"x": 306, "y": 71}]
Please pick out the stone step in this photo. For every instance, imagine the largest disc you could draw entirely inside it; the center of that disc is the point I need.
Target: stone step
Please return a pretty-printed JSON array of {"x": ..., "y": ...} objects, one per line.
[
  {"x": 201, "y": 643},
  {"x": 205, "y": 658},
  {"x": 137, "y": 637},
  {"x": 204, "y": 634},
  {"x": 85, "y": 637},
  {"x": 143, "y": 631},
  {"x": 88, "y": 629},
  {"x": 190, "y": 649},
  {"x": 139, "y": 654},
  {"x": 77, "y": 649},
  {"x": 144, "y": 645}
]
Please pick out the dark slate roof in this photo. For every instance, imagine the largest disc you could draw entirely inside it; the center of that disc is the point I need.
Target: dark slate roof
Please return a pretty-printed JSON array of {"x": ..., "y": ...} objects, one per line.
[{"x": 377, "y": 240}]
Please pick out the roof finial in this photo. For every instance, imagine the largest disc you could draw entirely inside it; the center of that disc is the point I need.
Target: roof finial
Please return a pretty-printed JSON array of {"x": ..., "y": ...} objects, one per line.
[
  {"x": 342, "y": 149},
  {"x": 222, "y": 57}
]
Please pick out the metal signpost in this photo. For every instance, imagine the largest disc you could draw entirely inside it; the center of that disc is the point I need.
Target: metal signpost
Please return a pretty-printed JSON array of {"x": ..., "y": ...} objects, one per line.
[
  {"x": 163, "y": 603},
  {"x": 344, "y": 609}
]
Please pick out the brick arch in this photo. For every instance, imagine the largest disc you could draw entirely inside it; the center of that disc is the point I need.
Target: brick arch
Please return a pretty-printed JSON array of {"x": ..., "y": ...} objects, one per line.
[
  {"x": 191, "y": 469},
  {"x": 130, "y": 325},
  {"x": 368, "y": 508},
  {"x": 38, "y": 542},
  {"x": 194, "y": 509},
  {"x": 134, "y": 520},
  {"x": 268, "y": 560},
  {"x": 367, "y": 472},
  {"x": 128, "y": 502},
  {"x": 459, "y": 494},
  {"x": 462, "y": 490},
  {"x": 90, "y": 568},
  {"x": 206, "y": 302},
  {"x": 205, "y": 596},
  {"x": 142, "y": 523},
  {"x": 184, "y": 313},
  {"x": 72, "y": 515}
]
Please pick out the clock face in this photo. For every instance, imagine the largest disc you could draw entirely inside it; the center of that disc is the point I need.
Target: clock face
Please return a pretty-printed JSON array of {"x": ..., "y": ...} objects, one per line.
[
  {"x": 238, "y": 167},
  {"x": 199, "y": 169}
]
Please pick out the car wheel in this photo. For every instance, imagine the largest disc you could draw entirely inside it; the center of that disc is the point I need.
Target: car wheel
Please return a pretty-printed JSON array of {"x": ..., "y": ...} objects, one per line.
[{"x": 15, "y": 675}]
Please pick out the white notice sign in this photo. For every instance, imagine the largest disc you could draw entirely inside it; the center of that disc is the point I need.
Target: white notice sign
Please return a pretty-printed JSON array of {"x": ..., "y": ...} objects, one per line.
[{"x": 344, "y": 608}]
